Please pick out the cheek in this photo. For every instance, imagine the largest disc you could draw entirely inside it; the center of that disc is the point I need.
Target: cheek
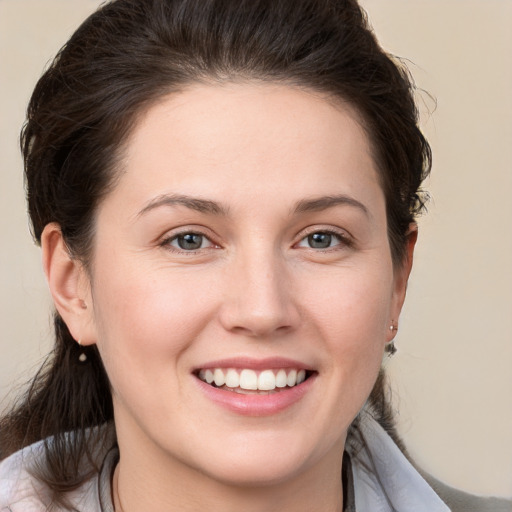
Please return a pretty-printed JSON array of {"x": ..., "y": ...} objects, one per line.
[
  {"x": 351, "y": 312},
  {"x": 351, "y": 306},
  {"x": 146, "y": 319}
]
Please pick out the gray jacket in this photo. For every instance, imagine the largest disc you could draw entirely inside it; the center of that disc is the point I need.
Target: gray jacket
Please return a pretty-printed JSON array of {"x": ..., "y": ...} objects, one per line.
[{"x": 459, "y": 501}]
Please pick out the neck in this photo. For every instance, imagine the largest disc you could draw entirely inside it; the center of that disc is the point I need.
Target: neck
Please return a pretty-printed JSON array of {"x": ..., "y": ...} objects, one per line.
[
  {"x": 282, "y": 498},
  {"x": 165, "y": 484}
]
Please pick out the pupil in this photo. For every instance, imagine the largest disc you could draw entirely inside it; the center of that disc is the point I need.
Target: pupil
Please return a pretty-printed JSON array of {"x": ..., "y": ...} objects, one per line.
[
  {"x": 320, "y": 240},
  {"x": 190, "y": 241}
]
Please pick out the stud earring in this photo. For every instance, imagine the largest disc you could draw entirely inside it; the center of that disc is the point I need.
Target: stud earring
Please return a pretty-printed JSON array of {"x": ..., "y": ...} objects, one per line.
[
  {"x": 390, "y": 347},
  {"x": 82, "y": 357}
]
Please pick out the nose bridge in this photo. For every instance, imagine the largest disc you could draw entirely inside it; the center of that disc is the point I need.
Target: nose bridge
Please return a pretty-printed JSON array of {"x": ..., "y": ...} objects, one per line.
[{"x": 259, "y": 299}]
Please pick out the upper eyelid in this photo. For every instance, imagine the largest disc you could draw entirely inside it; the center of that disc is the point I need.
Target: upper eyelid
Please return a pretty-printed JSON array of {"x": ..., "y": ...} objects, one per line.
[
  {"x": 183, "y": 230},
  {"x": 342, "y": 233},
  {"x": 171, "y": 235}
]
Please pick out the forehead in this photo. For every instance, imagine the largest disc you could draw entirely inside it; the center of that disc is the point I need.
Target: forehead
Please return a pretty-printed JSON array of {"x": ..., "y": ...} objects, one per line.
[{"x": 245, "y": 140}]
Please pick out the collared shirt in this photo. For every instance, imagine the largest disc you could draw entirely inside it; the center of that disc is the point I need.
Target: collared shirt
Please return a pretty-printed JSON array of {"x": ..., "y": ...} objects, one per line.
[
  {"x": 384, "y": 480},
  {"x": 379, "y": 479}
]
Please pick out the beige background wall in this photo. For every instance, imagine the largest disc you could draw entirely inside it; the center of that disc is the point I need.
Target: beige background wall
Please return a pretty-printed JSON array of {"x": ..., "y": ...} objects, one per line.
[{"x": 452, "y": 375}]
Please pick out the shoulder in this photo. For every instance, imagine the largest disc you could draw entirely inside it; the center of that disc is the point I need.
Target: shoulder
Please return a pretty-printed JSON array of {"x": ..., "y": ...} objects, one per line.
[
  {"x": 384, "y": 474},
  {"x": 21, "y": 491},
  {"x": 460, "y": 501}
]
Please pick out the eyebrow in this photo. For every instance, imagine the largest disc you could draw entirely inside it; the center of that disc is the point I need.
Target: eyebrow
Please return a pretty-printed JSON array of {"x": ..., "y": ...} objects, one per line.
[
  {"x": 212, "y": 207},
  {"x": 325, "y": 202},
  {"x": 193, "y": 203}
]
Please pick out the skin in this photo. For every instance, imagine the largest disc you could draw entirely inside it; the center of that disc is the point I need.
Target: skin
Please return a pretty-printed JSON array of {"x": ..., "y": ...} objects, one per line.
[{"x": 255, "y": 289}]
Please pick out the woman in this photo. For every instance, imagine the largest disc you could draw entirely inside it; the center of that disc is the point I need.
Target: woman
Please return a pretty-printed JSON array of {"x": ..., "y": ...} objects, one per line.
[{"x": 225, "y": 195}]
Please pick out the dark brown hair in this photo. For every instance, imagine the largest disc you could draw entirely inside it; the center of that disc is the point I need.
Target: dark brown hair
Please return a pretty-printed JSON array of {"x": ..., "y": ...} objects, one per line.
[{"x": 121, "y": 60}]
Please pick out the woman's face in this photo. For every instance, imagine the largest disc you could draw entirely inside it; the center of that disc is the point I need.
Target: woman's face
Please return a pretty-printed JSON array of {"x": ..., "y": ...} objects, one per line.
[{"x": 245, "y": 240}]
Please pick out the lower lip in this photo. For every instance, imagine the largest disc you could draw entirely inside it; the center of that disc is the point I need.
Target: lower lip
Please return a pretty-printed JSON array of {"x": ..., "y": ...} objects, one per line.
[{"x": 256, "y": 405}]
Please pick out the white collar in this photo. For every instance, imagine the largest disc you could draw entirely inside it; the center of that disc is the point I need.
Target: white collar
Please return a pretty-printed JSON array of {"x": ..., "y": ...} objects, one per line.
[{"x": 384, "y": 480}]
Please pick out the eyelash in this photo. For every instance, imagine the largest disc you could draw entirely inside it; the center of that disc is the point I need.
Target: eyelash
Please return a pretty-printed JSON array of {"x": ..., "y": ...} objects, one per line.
[
  {"x": 344, "y": 240},
  {"x": 166, "y": 242}
]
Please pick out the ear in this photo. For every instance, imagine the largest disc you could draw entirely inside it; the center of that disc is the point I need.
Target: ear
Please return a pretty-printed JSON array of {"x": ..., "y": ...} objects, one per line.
[
  {"x": 401, "y": 277},
  {"x": 69, "y": 285}
]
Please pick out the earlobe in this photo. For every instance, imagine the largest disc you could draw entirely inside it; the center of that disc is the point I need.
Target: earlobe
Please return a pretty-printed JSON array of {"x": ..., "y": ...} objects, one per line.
[{"x": 69, "y": 285}]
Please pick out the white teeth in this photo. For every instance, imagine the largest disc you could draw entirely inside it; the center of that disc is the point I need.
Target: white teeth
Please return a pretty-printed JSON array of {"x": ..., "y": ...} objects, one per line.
[
  {"x": 267, "y": 380},
  {"x": 281, "y": 379},
  {"x": 218, "y": 377},
  {"x": 246, "y": 379},
  {"x": 232, "y": 378},
  {"x": 291, "y": 380}
]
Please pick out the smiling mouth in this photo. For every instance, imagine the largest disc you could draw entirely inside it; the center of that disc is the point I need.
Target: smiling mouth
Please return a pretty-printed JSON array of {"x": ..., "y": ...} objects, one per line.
[{"x": 248, "y": 381}]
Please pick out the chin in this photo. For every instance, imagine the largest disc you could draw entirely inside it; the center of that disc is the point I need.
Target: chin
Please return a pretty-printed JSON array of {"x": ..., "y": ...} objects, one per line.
[
  {"x": 256, "y": 473},
  {"x": 267, "y": 460}
]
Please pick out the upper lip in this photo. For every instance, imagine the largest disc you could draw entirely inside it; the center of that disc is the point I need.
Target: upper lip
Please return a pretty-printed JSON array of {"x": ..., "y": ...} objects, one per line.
[{"x": 250, "y": 363}]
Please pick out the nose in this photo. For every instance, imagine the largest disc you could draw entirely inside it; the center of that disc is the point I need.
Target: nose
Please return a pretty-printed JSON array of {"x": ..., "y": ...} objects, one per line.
[{"x": 259, "y": 299}]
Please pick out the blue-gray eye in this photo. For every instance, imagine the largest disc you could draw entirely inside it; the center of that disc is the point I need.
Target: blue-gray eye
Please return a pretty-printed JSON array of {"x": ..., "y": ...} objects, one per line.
[
  {"x": 190, "y": 241},
  {"x": 320, "y": 240}
]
